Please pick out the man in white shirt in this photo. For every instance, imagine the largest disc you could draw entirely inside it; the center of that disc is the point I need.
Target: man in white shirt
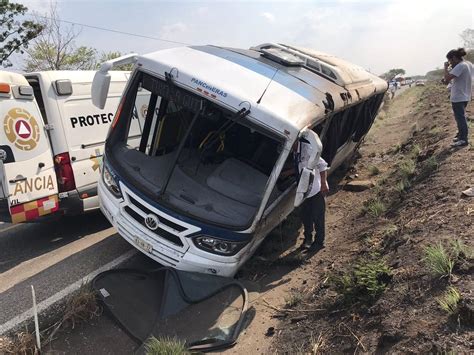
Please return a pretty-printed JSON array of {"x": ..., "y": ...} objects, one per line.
[
  {"x": 313, "y": 208},
  {"x": 460, "y": 77}
]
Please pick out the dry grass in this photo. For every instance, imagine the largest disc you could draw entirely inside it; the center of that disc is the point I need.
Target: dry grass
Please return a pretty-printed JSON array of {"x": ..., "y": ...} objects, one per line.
[
  {"x": 373, "y": 170},
  {"x": 450, "y": 300},
  {"x": 375, "y": 207},
  {"x": 82, "y": 306},
  {"x": 318, "y": 344},
  {"x": 23, "y": 343},
  {"x": 165, "y": 346},
  {"x": 293, "y": 299}
]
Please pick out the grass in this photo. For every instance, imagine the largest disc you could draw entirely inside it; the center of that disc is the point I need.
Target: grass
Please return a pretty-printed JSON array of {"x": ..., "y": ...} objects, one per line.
[
  {"x": 165, "y": 346},
  {"x": 381, "y": 181},
  {"x": 441, "y": 260},
  {"x": 363, "y": 282},
  {"x": 396, "y": 148},
  {"x": 82, "y": 306},
  {"x": 318, "y": 344},
  {"x": 450, "y": 300},
  {"x": 293, "y": 299},
  {"x": 407, "y": 168},
  {"x": 373, "y": 170},
  {"x": 390, "y": 231},
  {"x": 403, "y": 185},
  {"x": 375, "y": 207},
  {"x": 461, "y": 250},
  {"x": 415, "y": 151},
  {"x": 435, "y": 131},
  {"x": 22, "y": 343},
  {"x": 438, "y": 260},
  {"x": 431, "y": 163}
]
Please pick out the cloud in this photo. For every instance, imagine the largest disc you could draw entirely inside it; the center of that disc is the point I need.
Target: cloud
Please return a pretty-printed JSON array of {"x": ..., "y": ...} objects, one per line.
[
  {"x": 268, "y": 16},
  {"x": 173, "y": 30}
]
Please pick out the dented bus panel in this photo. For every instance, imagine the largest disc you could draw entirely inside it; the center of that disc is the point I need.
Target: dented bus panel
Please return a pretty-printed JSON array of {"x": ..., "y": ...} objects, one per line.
[{"x": 204, "y": 187}]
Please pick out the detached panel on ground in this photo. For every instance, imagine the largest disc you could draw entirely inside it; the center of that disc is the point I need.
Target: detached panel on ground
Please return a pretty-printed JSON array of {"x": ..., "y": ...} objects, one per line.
[{"x": 204, "y": 312}]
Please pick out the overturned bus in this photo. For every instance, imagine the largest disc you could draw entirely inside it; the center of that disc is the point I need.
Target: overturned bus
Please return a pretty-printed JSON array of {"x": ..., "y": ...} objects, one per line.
[{"x": 204, "y": 187}]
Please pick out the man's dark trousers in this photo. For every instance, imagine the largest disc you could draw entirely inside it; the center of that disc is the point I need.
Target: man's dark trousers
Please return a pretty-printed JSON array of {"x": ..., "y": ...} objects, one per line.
[
  {"x": 313, "y": 213},
  {"x": 459, "y": 109}
]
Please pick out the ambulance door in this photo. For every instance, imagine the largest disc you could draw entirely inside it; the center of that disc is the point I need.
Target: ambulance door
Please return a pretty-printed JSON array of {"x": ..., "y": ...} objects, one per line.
[
  {"x": 85, "y": 128},
  {"x": 27, "y": 176}
]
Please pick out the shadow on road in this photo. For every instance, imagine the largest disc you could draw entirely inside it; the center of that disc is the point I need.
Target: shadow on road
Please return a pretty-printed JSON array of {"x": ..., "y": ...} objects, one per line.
[{"x": 27, "y": 241}]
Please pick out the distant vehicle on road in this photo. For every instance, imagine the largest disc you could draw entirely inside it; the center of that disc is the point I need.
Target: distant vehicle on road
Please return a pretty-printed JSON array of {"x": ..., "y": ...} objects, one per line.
[{"x": 420, "y": 82}]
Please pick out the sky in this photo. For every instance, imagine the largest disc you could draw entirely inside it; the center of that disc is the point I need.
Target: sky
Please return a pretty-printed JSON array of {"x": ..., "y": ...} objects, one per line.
[{"x": 377, "y": 34}]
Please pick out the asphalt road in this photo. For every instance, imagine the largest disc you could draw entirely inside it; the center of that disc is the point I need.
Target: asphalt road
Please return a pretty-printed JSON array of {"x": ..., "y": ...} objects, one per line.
[{"x": 55, "y": 256}]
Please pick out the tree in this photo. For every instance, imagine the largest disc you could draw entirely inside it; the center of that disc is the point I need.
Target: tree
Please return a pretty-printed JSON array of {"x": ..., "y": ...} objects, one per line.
[
  {"x": 54, "y": 48},
  {"x": 392, "y": 73},
  {"x": 468, "y": 37},
  {"x": 15, "y": 34},
  {"x": 105, "y": 56}
]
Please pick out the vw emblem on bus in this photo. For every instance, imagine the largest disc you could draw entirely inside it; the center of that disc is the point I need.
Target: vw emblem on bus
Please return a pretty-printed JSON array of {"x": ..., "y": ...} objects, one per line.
[{"x": 152, "y": 221}]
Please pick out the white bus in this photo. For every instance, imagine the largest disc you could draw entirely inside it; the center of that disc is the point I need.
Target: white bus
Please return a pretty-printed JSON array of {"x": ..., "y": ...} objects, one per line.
[{"x": 204, "y": 186}]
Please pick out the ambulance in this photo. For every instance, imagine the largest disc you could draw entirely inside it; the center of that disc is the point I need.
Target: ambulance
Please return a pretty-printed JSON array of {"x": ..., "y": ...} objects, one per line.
[
  {"x": 51, "y": 142},
  {"x": 207, "y": 181}
]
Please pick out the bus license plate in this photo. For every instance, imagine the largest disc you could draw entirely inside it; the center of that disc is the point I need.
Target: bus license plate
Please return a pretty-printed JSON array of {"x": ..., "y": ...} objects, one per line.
[{"x": 143, "y": 245}]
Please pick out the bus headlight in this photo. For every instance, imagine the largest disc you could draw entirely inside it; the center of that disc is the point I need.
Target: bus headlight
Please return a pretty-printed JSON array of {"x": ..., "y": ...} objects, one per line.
[
  {"x": 217, "y": 245},
  {"x": 110, "y": 181}
]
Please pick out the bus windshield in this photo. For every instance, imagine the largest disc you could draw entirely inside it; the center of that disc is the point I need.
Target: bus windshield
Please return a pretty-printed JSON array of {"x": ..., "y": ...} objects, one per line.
[{"x": 192, "y": 156}]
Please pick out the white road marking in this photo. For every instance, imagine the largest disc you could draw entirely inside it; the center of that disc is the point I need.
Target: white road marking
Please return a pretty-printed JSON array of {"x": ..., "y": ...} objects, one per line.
[
  {"x": 9, "y": 228},
  {"x": 47, "y": 303},
  {"x": 31, "y": 267}
]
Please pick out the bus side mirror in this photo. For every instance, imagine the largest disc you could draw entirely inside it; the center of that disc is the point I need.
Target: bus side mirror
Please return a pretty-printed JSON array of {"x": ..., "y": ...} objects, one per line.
[
  {"x": 101, "y": 82},
  {"x": 100, "y": 89}
]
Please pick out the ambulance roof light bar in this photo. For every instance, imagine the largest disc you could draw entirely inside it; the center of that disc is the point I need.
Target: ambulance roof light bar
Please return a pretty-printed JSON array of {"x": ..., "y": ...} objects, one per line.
[{"x": 101, "y": 82}]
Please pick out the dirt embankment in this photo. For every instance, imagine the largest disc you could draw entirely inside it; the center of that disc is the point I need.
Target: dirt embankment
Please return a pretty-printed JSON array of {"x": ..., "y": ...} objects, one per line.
[{"x": 375, "y": 288}]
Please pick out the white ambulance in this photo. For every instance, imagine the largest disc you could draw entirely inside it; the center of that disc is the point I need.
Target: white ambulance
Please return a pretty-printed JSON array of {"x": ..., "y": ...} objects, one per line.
[{"x": 51, "y": 142}]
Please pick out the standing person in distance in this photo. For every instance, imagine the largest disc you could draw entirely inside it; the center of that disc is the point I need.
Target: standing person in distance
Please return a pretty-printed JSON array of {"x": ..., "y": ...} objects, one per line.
[{"x": 460, "y": 77}]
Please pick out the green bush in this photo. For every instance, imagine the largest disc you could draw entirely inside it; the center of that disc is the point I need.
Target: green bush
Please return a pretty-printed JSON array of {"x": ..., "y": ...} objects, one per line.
[{"x": 365, "y": 282}]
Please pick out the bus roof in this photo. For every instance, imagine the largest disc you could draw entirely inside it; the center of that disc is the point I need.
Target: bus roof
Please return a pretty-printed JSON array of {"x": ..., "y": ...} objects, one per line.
[{"x": 282, "y": 95}]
